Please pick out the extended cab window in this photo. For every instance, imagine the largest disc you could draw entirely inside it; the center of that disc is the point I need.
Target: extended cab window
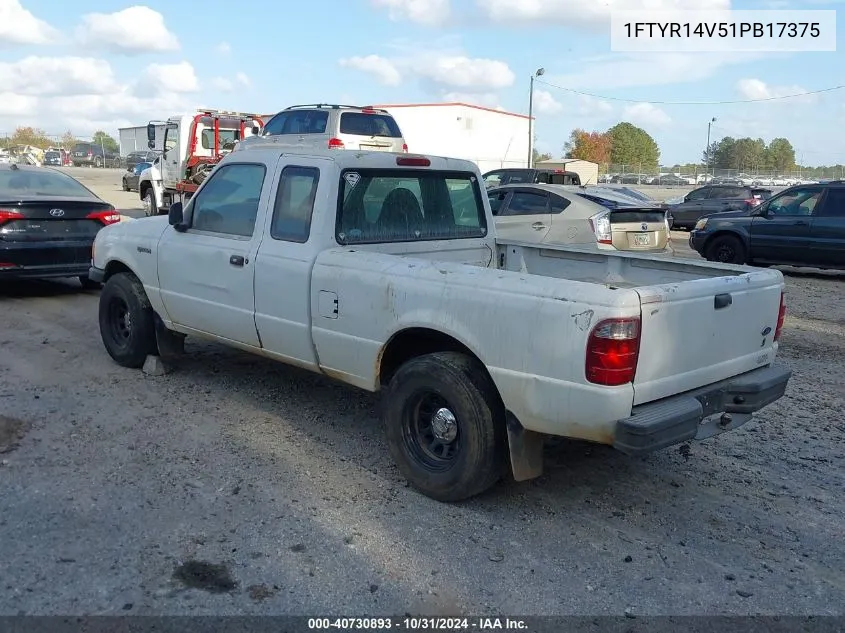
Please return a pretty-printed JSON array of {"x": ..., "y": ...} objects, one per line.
[
  {"x": 400, "y": 205},
  {"x": 228, "y": 203},
  {"x": 294, "y": 204}
]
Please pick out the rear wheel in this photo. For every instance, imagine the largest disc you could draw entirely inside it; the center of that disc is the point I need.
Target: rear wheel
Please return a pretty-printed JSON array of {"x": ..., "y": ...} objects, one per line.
[
  {"x": 726, "y": 249},
  {"x": 125, "y": 186},
  {"x": 127, "y": 325},
  {"x": 98, "y": 162},
  {"x": 445, "y": 426}
]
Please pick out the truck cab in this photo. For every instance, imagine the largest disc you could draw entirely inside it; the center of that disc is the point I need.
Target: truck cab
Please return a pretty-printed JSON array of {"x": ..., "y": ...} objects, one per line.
[{"x": 193, "y": 145}]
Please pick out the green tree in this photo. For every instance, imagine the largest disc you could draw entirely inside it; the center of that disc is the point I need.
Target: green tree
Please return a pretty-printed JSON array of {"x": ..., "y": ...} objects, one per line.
[
  {"x": 101, "y": 138},
  {"x": 714, "y": 146},
  {"x": 31, "y": 136},
  {"x": 631, "y": 145},
  {"x": 780, "y": 155},
  {"x": 540, "y": 156}
]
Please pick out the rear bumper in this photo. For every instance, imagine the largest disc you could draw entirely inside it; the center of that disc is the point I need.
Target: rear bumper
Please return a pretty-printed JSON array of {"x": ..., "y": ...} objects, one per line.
[
  {"x": 45, "y": 259},
  {"x": 701, "y": 413}
]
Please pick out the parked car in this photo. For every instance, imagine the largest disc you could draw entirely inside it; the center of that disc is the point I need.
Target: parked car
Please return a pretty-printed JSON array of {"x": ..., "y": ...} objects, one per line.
[
  {"x": 132, "y": 174},
  {"x": 556, "y": 214},
  {"x": 800, "y": 226},
  {"x": 512, "y": 175},
  {"x": 93, "y": 155},
  {"x": 715, "y": 199},
  {"x": 48, "y": 222},
  {"x": 53, "y": 158},
  {"x": 332, "y": 126},
  {"x": 141, "y": 156},
  {"x": 386, "y": 272},
  {"x": 670, "y": 180}
]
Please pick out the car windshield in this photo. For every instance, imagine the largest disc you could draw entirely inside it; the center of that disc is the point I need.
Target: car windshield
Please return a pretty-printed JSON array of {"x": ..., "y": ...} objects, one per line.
[{"x": 22, "y": 183}]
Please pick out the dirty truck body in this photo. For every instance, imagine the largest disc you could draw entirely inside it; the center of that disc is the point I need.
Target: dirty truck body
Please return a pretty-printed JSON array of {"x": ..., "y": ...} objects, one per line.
[{"x": 481, "y": 348}]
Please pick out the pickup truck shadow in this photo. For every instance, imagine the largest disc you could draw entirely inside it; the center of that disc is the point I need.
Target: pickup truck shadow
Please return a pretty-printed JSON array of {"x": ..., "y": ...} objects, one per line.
[{"x": 40, "y": 288}]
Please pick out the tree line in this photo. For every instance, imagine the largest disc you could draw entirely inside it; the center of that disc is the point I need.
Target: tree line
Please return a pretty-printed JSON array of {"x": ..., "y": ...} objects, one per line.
[{"x": 36, "y": 137}]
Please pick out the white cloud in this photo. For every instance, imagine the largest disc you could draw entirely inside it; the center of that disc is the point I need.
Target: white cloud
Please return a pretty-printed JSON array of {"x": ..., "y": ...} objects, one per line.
[
  {"x": 578, "y": 12},
  {"x": 545, "y": 103},
  {"x": 646, "y": 114},
  {"x": 222, "y": 84},
  {"x": 178, "y": 78},
  {"x": 425, "y": 12},
  {"x": 223, "y": 48},
  {"x": 592, "y": 105},
  {"x": 484, "y": 99},
  {"x": 242, "y": 79},
  {"x": 49, "y": 76},
  {"x": 465, "y": 73},
  {"x": 758, "y": 89},
  {"x": 134, "y": 30},
  {"x": 14, "y": 105},
  {"x": 382, "y": 68},
  {"x": 19, "y": 26}
]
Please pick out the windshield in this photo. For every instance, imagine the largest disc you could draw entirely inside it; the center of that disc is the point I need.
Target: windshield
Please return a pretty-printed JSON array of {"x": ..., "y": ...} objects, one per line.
[
  {"x": 398, "y": 205},
  {"x": 22, "y": 183}
]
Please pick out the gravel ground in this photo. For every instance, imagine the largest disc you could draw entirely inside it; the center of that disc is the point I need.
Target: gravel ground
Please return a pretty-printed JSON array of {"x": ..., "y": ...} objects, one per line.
[{"x": 238, "y": 485}]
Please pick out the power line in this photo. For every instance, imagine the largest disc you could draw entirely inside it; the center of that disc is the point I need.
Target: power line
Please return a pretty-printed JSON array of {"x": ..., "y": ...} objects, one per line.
[{"x": 702, "y": 103}]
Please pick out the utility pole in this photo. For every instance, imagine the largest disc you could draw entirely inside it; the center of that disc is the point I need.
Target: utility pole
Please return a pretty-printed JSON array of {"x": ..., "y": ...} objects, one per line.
[
  {"x": 539, "y": 72},
  {"x": 709, "y": 123}
]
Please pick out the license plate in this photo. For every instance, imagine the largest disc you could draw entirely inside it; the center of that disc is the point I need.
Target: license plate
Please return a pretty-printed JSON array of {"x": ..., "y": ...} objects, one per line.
[
  {"x": 374, "y": 148},
  {"x": 642, "y": 239}
]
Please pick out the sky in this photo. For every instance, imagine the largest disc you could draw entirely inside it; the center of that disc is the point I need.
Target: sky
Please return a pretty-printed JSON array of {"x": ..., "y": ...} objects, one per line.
[{"x": 103, "y": 64}]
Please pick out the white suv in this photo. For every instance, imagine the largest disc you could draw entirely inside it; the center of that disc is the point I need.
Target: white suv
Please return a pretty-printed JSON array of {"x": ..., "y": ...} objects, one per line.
[{"x": 332, "y": 126}]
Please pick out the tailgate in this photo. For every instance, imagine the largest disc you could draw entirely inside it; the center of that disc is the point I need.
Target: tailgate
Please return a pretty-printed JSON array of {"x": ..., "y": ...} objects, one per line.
[{"x": 701, "y": 331}]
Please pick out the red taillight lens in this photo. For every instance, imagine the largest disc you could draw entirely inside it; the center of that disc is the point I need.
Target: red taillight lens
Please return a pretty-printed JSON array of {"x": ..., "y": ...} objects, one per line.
[
  {"x": 106, "y": 217},
  {"x": 405, "y": 147},
  {"x": 8, "y": 214},
  {"x": 612, "y": 351},
  {"x": 753, "y": 202},
  {"x": 416, "y": 161},
  {"x": 336, "y": 143},
  {"x": 90, "y": 154},
  {"x": 781, "y": 316}
]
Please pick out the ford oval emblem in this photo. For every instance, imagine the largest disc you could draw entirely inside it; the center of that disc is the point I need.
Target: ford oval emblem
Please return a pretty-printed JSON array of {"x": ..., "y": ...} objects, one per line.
[
  {"x": 766, "y": 331},
  {"x": 57, "y": 213},
  {"x": 644, "y": 226}
]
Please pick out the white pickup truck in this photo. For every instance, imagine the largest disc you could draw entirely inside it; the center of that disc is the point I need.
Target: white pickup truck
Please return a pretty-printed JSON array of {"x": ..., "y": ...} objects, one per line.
[{"x": 383, "y": 271}]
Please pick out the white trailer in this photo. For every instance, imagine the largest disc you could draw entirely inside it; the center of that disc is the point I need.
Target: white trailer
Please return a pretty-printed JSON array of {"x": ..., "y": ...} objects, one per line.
[
  {"x": 492, "y": 139},
  {"x": 134, "y": 139}
]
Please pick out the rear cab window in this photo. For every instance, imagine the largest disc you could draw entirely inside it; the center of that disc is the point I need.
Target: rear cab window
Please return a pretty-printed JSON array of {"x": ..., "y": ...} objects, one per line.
[
  {"x": 369, "y": 124},
  {"x": 405, "y": 205}
]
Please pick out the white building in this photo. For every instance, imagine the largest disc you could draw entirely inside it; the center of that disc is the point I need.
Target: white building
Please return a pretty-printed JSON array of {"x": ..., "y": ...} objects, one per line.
[
  {"x": 493, "y": 139},
  {"x": 134, "y": 139},
  {"x": 588, "y": 172}
]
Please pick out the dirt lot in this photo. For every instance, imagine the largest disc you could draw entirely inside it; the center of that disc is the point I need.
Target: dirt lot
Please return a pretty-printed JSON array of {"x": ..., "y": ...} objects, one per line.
[{"x": 237, "y": 485}]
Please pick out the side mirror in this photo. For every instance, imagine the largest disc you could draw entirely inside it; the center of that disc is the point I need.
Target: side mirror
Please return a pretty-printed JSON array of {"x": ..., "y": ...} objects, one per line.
[
  {"x": 151, "y": 135},
  {"x": 175, "y": 217}
]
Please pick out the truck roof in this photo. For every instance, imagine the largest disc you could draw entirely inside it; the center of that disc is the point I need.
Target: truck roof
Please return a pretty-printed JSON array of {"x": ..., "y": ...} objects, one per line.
[{"x": 347, "y": 159}]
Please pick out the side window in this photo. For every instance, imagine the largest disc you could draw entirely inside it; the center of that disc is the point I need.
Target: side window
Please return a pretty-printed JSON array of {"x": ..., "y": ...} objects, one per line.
[
  {"x": 464, "y": 204},
  {"x": 306, "y": 122},
  {"x": 834, "y": 203},
  {"x": 277, "y": 124},
  {"x": 559, "y": 203},
  {"x": 294, "y": 204},
  {"x": 493, "y": 179},
  {"x": 496, "y": 201},
  {"x": 699, "y": 194},
  {"x": 527, "y": 203},
  {"x": 170, "y": 134},
  {"x": 795, "y": 202},
  {"x": 228, "y": 203}
]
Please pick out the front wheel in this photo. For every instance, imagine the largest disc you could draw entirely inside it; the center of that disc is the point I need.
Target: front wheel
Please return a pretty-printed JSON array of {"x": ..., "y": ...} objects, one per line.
[
  {"x": 125, "y": 186},
  {"x": 726, "y": 249},
  {"x": 127, "y": 325},
  {"x": 445, "y": 426},
  {"x": 150, "y": 207}
]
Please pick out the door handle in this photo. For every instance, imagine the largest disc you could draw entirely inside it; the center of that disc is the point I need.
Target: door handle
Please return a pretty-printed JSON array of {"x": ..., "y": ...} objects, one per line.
[
  {"x": 538, "y": 226},
  {"x": 236, "y": 260},
  {"x": 800, "y": 223}
]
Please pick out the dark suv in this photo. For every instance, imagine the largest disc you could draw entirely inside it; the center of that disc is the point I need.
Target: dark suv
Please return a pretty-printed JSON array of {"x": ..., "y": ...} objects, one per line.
[
  {"x": 800, "y": 226},
  {"x": 715, "y": 199},
  {"x": 93, "y": 155}
]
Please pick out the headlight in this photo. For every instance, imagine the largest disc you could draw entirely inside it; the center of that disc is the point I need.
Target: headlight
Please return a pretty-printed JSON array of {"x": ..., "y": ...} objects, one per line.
[{"x": 699, "y": 226}]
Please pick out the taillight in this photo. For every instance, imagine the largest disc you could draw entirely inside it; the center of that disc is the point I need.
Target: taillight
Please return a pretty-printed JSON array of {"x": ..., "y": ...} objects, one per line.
[
  {"x": 106, "y": 217},
  {"x": 781, "y": 316},
  {"x": 600, "y": 224},
  {"x": 90, "y": 154},
  {"x": 336, "y": 143},
  {"x": 8, "y": 214},
  {"x": 752, "y": 202},
  {"x": 612, "y": 351},
  {"x": 405, "y": 147}
]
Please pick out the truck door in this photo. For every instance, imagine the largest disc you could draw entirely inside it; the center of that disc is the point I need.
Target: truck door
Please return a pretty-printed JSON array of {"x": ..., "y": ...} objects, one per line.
[
  {"x": 206, "y": 273},
  {"x": 172, "y": 155},
  {"x": 283, "y": 293},
  {"x": 783, "y": 233}
]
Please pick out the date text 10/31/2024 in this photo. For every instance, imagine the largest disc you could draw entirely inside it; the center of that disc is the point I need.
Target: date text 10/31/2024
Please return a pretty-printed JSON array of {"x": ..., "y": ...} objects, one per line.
[{"x": 417, "y": 624}]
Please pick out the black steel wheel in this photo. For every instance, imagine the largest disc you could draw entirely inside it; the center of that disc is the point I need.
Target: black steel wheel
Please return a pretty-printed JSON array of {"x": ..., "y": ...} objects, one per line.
[
  {"x": 445, "y": 426},
  {"x": 127, "y": 324},
  {"x": 727, "y": 249}
]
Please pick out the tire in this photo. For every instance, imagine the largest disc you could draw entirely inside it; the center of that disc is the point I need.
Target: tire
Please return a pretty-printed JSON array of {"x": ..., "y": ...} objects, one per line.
[
  {"x": 128, "y": 341},
  {"x": 150, "y": 207},
  {"x": 98, "y": 162},
  {"x": 475, "y": 457},
  {"x": 727, "y": 249},
  {"x": 89, "y": 284},
  {"x": 125, "y": 186}
]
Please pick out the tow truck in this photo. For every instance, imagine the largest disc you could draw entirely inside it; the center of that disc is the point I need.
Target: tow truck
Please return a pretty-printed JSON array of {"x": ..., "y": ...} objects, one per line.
[{"x": 193, "y": 144}]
